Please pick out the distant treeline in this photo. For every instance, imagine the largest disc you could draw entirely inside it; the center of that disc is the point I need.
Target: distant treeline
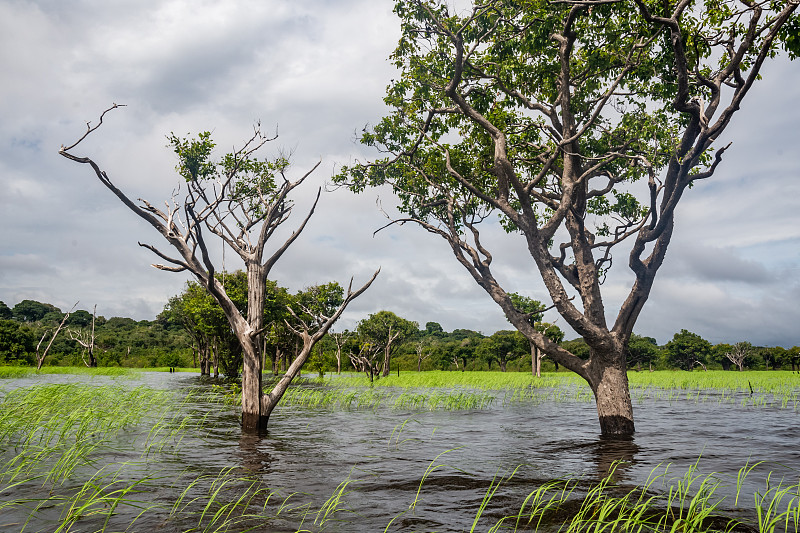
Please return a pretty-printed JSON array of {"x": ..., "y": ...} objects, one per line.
[
  {"x": 119, "y": 341},
  {"x": 193, "y": 332}
]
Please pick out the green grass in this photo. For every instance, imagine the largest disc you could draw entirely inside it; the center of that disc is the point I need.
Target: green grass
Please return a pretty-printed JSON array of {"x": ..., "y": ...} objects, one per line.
[
  {"x": 235, "y": 500},
  {"x": 166, "y": 369},
  {"x": 308, "y": 393},
  {"x": 51, "y": 433},
  {"x": 10, "y": 372},
  {"x": 760, "y": 381},
  {"x": 49, "y": 430},
  {"x": 779, "y": 389},
  {"x": 471, "y": 380},
  {"x": 54, "y": 435}
]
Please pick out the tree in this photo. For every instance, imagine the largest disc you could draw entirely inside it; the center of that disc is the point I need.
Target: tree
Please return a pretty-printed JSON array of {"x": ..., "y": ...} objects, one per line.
[
  {"x": 687, "y": 349},
  {"x": 423, "y": 350},
  {"x": 80, "y": 318},
  {"x": 434, "y": 328},
  {"x": 718, "y": 355},
  {"x": 17, "y": 342},
  {"x": 582, "y": 124},
  {"x": 464, "y": 350},
  {"x": 5, "y": 311},
  {"x": 642, "y": 351},
  {"x": 33, "y": 311},
  {"x": 793, "y": 354},
  {"x": 52, "y": 333},
  {"x": 340, "y": 338},
  {"x": 534, "y": 309},
  {"x": 774, "y": 357},
  {"x": 502, "y": 346},
  {"x": 739, "y": 353},
  {"x": 241, "y": 200},
  {"x": 84, "y": 338},
  {"x": 385, "y": 331}
]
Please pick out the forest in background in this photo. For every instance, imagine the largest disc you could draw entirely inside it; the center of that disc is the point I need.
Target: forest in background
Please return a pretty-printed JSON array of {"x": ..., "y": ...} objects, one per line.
[{"x": 192, "y": 332}]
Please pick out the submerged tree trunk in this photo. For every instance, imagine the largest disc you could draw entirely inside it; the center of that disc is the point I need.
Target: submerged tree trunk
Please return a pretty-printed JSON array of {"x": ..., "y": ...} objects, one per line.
[
  {"x": 253, "y": 418},
  {"x": 609, "y": 383},
  {"x": 92, "y": 360},
  {"x": 215, "y": 357},
  {"x": 536, "y": 361}
]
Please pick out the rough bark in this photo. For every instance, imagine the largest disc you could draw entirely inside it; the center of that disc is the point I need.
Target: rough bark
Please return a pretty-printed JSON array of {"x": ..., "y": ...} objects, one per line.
[{"x": 609, "y": 383}]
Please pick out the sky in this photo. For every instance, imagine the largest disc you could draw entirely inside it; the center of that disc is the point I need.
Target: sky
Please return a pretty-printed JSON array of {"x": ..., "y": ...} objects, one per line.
[{"x": 315, "y": 71}]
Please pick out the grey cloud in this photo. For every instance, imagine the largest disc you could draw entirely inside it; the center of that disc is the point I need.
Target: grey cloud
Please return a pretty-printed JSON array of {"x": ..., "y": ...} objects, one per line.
[
  {"x": 710, "y": 263},
  {"x": 317, "y": 69}
]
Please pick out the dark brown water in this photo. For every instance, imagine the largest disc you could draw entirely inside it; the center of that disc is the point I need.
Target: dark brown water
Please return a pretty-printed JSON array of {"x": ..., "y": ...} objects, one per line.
[{"x": 387, "y": 452}]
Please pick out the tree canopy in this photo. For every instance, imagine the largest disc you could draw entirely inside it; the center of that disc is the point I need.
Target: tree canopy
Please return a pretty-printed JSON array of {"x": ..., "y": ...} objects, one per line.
[{"x": 580, "y": 124}]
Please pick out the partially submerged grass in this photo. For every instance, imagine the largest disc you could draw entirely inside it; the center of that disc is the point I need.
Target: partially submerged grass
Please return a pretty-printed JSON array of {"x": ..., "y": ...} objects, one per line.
[
  {"x": 54, "y": 435},
  {"x": 469, "y": 380},
  {"x": 167, "y": 369},
  {"x": 235, "y": 500},
  {"x": 778, "y": 389},
  {"x": 53, "y": 439},
  {"x": 10, "y": 372},
  {"x": 319, "y": 394},
  {"x": 749, "y": 389}
]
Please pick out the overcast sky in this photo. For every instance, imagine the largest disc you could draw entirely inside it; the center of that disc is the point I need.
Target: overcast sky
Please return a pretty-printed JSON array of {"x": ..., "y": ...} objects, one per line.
[{"x": 316, "y": 70}]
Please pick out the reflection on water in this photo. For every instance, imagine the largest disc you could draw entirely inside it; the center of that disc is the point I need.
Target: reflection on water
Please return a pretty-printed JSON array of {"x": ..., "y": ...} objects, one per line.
[{"x": 385, "y": 454}]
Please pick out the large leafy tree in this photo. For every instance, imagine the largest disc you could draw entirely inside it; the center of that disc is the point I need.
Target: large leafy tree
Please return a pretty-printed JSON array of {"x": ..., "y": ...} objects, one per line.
[
  {"x": 385, "y": 332},
  {"x": 17, "y": 342},
  {"x": 33, "y": 311},
  {"x": 5, "y": 312},
  {"x": 642, "y": 351},
  {"x": 502, "y": 346},
  {"x": 581, "y": 123},
  {"x": 687, "y": 349}
]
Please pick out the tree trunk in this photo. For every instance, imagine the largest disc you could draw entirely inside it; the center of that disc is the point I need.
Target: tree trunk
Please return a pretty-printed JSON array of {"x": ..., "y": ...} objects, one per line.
[
  {"x": 502, "y": 363},
  {"x": 387, "y": 358},
  {"x": 609, "y": 382},
  {"x": 253, "y": 420},
  {"x": 536, "y": 361},
  {"x": 92, "y": 360},
  {"x": 215, "y": 358}
]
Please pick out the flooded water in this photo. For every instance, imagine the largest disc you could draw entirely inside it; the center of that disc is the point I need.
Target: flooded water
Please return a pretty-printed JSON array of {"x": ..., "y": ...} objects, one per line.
[{"x": 385, "y": 454}]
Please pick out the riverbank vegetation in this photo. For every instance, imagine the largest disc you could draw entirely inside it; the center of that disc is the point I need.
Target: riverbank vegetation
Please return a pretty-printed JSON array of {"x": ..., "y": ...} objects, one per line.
[{"x": 192, "y": 332}]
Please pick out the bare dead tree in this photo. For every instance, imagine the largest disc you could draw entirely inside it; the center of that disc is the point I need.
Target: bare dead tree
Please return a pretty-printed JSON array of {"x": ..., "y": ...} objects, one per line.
[
  {"x": 54, "y": 332},
  {"x": 86, "y": 339},
  {"x": 340, "y": 338},
  {"x": 242, "y": 201},
  {"x": 366, "y": 359},
  {"x": 424, "y": 352},
  {"x": 738, "y": 354}
]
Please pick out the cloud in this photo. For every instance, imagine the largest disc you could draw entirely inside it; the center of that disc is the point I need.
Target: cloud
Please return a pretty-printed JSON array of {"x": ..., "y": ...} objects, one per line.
[
  {"x": 316, "y": 70},
  {"x": 716, "y": 264}
]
